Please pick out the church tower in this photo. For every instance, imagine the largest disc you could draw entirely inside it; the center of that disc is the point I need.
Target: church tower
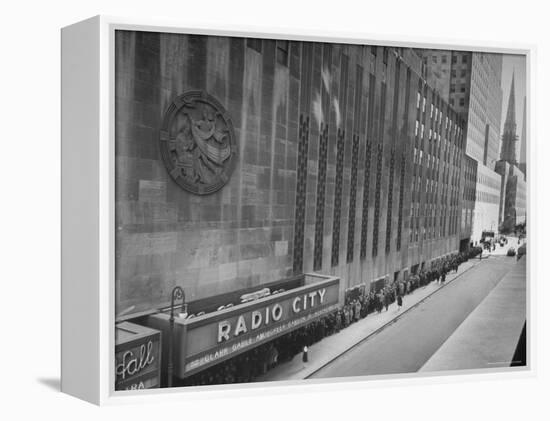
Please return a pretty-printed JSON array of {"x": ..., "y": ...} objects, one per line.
[
  {"x": 509, "y": 137},
  {"x": 523, "y": 141}
]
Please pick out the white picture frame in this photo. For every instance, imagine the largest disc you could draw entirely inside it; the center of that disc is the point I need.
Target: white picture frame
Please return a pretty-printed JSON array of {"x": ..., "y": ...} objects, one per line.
[{"x": 88, "y": 229}]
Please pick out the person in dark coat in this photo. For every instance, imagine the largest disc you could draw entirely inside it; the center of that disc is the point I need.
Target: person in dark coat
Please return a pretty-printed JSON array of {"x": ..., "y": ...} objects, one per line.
[
  {"x": 338, "y": 322},
  {"x": 387, "y": 299},
  {"x": 399, "y": 302},
  {"x": 379, "y": 302}
]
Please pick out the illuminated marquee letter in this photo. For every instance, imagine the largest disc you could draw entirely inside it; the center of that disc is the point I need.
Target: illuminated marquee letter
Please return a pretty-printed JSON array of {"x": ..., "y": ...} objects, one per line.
[
  {"x": 296, "y": 305},
  {"x": 241, "y": 326},
  {"x": 322, "y": 295},
  {"x": 277, "y": 312},
  {"x": 256, "y": 319},
  {"x": 223, "y": 331}
]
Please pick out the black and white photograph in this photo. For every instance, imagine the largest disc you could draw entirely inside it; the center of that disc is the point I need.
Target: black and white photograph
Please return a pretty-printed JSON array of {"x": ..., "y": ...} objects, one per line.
[
  {"x": 290, "y": 210},
  {"x": 275, "y": 211}
]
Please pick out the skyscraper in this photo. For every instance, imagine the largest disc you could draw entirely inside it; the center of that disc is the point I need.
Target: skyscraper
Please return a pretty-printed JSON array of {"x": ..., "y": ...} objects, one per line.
[
  {"x": 471, "y": 83},
  {"x": 509, "y": 136}
]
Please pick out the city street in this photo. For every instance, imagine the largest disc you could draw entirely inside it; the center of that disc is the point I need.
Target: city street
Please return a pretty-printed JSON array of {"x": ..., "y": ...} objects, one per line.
[{"x": 407, "y": 344}]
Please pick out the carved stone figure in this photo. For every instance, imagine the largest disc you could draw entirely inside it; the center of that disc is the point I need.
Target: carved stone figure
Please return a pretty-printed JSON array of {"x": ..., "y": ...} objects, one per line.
[{"x": 198, "y": 143}]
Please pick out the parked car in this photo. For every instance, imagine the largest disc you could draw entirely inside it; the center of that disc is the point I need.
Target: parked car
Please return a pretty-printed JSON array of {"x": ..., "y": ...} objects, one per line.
[{"x": 511, "y": 252}]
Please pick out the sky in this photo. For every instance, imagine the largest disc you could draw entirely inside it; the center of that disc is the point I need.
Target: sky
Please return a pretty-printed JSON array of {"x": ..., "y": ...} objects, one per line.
[{"x": 513, "y": 64}]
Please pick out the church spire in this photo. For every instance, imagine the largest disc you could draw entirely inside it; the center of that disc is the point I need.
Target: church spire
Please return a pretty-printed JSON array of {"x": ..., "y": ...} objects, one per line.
[
  {"x": 509, "y": 137},
  {"x": 510, "y": 123}
]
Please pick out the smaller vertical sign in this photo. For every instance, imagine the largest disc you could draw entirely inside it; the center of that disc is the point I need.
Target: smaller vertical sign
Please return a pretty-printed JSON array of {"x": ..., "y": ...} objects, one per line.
[{"x": 137, "y": 357}]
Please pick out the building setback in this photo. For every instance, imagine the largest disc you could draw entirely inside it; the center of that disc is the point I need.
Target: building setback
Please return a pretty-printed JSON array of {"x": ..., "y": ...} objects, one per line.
[{"x": 348, "y": 164}]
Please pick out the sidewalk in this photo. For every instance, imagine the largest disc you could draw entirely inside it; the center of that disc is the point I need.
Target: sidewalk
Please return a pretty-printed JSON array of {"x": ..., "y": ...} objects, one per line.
[
  {"x": 489, "y": 336},
  {"x": 331, "y": 347}
]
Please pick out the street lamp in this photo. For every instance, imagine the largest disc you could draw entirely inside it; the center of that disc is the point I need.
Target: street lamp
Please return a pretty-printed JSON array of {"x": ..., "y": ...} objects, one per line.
[{"x": 177, "y": 294}]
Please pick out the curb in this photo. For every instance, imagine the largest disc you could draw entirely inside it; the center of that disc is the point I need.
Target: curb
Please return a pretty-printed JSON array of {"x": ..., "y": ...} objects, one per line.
[{"x": 386, "y": 324}]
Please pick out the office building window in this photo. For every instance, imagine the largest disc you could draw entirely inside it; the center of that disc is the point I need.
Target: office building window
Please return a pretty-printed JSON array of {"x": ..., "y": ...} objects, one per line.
[{"x": 444, "y": 59}]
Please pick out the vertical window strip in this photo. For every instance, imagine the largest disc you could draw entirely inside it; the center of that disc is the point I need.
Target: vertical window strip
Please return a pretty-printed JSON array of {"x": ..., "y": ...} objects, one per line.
[
  {"x": 390, "y": 202},
  {"x": 352, "y": 198},
  {"x": 301, "y": 176},
  {"x": 354, "y": 162},
  {"x": 320, "y": 205},
  {"x": 377, "y": 200},
  {"x": 340, "y": 149},
  {"x": 366, "y": 175},
  {"x": 401, "y": 194},
  {"x": 379, "y": 169},
  {"x": 338, "y": 198},
  {"x": 365, "y": 216}
]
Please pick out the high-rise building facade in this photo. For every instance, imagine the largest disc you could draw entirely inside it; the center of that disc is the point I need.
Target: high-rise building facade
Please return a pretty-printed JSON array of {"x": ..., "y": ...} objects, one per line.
[
  {"x": 471, "y": 82},
  {"x": 348, "y": 164},
  {"x": 331, "y": 160}
]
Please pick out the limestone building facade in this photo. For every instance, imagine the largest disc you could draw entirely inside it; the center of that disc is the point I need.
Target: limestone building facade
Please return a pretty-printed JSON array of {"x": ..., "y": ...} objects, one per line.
[{"x": 345, "y": 162}]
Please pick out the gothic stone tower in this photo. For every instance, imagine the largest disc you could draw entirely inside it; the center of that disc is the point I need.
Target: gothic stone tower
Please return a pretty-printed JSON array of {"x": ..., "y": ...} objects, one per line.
[{"x": 509, "y": 137}]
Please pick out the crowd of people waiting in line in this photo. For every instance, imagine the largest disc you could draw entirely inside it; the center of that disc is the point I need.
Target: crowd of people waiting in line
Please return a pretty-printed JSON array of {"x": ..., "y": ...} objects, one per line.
[{"x": 358, "y": 304}]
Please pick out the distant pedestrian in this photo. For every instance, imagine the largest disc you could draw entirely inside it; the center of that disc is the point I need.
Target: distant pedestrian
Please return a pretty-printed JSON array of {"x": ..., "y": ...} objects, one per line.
[
  {"x": 380, "y": 303},
  {"x": 443, "y": 278},
  {"x": 399, "y": 302}
]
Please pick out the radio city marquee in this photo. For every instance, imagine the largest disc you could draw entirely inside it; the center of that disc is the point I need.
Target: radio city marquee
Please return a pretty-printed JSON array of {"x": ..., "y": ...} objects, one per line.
[{"x": 215, "y": 337}]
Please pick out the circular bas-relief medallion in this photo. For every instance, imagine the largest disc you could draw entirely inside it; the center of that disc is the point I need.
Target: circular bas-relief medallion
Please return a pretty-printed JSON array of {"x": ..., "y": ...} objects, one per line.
[{"x": 197, "y": 143}]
